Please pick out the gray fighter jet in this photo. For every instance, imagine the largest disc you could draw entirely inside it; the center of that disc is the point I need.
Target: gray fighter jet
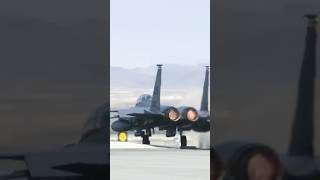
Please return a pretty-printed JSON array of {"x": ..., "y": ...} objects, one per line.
[
  {"x": 88, "y": 159},
  {"x": 148, "y": 114},
  {"x": 245, "y": 160},
  {"x": 203, "y": 123}
]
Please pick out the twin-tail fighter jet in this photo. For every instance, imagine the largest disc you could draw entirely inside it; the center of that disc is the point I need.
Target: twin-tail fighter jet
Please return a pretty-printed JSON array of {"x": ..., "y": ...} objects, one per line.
[
  {"x": 148, "y": 114},
  {"x": 250, "y": 160},
  {"x": 87, "y": 159}
]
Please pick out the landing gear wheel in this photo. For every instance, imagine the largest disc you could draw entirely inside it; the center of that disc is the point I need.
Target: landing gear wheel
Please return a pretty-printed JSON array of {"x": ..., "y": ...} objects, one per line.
[
  {"x": 122, "y": 136},
  {"x": 183, "y": 141},
  {"x": 145, "y": 139}
]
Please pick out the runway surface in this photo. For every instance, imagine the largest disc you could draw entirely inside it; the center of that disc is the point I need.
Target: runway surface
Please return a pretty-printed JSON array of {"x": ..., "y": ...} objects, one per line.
[{"x": 134, "y": 161}]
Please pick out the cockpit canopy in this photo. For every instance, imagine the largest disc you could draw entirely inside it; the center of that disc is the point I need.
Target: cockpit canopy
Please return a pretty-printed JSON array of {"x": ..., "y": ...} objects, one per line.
[{"x": 144, "y": 100}]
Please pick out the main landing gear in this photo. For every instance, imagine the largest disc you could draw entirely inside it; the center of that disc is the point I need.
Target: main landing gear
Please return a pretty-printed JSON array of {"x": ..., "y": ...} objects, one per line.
[
  {"x": 145, "y": 139},
  {"x": 183, "y": 140},
  {"x": 145, "y": 135}
]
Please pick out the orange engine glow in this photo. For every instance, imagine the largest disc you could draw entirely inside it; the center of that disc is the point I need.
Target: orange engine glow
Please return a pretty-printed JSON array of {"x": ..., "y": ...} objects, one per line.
[
  {"x": 192, "y": 115},
  {"x": 173, "y": 115}
]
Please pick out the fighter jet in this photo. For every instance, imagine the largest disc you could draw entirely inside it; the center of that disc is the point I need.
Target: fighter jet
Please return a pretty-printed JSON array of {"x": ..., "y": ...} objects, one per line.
[
  {"x": 148, "y": 114},
  {"x": 203, "y": 123},
  {"x": 242, "y": 160},
  {"x": 88, "y": 159}
]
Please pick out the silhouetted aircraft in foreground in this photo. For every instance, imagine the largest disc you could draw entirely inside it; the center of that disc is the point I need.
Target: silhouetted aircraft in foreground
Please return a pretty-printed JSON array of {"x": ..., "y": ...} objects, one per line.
[
  {"x": 148, "y": 114},
  {"x": 244, "y": 161},
  {"x": 88, "y": 159}
]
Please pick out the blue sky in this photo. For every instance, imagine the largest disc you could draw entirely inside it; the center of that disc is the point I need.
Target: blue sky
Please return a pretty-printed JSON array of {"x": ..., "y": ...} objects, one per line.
[{"x": 147, "y": 32}]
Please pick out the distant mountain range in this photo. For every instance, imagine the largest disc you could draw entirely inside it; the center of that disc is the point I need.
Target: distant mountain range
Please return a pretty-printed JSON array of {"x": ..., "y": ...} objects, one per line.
[
  {"x": 181, "y": 84},
  {"x": 173, "y": 76}
]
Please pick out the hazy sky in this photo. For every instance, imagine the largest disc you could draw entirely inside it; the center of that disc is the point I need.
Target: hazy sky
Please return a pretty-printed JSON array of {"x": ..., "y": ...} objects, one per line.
[{"x": 145, "y": 32}]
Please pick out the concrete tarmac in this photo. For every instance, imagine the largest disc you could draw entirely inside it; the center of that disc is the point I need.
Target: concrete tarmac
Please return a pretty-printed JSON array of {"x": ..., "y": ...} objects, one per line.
[{"x": 134, "y": 161}]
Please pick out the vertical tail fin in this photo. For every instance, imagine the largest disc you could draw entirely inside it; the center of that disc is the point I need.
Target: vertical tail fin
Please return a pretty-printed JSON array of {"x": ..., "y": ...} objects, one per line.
[
  {"x": 155, "y": 102},
  {"x": 204, "y": 100},
  {"x": 302, "y": 131}
]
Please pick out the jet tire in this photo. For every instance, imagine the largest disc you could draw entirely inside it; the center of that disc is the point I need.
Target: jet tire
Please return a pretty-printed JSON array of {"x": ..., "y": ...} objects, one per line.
[
  {"x": 145, "y": 139},
  {"x": 183, "y": 141}
]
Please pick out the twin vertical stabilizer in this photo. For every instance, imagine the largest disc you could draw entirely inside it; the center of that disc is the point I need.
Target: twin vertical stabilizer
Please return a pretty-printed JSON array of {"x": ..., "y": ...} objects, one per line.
[
  {"x": 302, "y": 136},
  {"x": 205, "y": 92},
  {"x": 155, "y": 102}
]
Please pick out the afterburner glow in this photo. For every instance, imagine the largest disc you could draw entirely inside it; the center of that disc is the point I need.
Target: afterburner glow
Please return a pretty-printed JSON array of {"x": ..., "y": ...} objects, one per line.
[
  {"x": 173, "y": 115},
  {"x": 260, "y": 168},
  {"x": 192, "y": 115}
]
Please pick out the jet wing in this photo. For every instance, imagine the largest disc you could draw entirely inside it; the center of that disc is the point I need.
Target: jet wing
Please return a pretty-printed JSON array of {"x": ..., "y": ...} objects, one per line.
[
  {"x": 146, "y": 115},
  {"x": 86, "y": 169},
  {"x": 139, "y": 113},
  {"x": 57, "y": 164},
  {"x": 15, "y": 175},
  {"x": 45, "y": 164},
  {"x": 126, "y": 112},
  {"x": 12, "y": 157}
]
